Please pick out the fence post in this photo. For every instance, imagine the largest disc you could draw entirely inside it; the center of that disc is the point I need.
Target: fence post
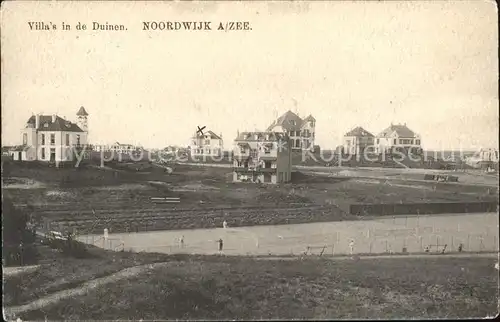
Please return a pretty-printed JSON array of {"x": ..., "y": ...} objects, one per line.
[
  {"x": 371, "y": 244},
  {"x": 468, "y": 242}
]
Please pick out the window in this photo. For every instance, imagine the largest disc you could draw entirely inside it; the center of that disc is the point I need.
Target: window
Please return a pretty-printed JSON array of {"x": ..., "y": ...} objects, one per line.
[
  {"x": 43, "y": 152},
  {"x": 311, "y": 123},
  {"x": 67, "y": 139},
  {"x": 297, "y": 143},
  {"x": 52, "y": 139},
  {"x": 395, "y": 140},
  {"x": 25, "y": 138},
  {"x": 43, "y": 140},
  {"x": 207, "y": 141},
  {"x": 417, "y": 142},
  {"x": 78, "y": 139},
  {"x": 253, "y": 153},
  {"x": 208, "y": 151}
]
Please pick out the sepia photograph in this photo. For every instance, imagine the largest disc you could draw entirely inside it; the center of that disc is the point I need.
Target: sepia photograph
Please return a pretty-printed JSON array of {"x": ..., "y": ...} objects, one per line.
[{"x": 250, "y": 160}]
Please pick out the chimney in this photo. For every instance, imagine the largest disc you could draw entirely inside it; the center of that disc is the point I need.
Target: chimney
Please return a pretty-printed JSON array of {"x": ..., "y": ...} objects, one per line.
[
  {"x": 53, "y": 118},
  {"x": 37, "y": 121}
]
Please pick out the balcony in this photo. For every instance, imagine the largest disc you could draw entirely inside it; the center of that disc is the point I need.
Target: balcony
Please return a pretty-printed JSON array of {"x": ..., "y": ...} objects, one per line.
[
  {"x": 254, "y": 169},
  {"x": 267, "y": 157}
]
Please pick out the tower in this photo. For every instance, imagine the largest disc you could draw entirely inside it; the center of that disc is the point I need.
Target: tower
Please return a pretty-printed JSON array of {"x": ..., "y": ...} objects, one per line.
[{"x": 82, "y": 120}]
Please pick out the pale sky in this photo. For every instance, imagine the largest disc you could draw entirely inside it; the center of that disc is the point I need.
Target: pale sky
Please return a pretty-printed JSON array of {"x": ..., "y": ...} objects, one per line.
[{"x": 433, "y": 65}]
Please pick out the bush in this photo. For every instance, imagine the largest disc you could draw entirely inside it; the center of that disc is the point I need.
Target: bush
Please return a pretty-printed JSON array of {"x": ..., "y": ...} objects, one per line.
[{"x": 18, "y": 240}]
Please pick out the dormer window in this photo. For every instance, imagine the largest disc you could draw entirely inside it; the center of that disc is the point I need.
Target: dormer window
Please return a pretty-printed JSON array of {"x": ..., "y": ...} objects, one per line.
[
  {"x": 292, "y": 122},
  {"x": 46, "y": 125},
  {"x": 267, "y": 137}
]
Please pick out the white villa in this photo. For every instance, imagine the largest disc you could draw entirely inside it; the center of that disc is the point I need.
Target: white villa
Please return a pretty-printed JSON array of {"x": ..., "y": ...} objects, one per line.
[
  {"x": 52, "y": 138},
  {"x": 207, "y": 144},
  {"x": 397, "y": 137},
  {"x": 301, "y": 131}
]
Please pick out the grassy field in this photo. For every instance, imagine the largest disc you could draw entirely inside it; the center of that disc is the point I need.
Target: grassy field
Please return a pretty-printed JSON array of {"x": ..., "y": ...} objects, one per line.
[
  {"x": 121, "y": 198},
  {"x": 240, "y": 288}
]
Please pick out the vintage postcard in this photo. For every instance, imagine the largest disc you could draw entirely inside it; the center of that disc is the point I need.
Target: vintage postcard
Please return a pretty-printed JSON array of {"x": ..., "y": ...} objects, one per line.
[{"x": 249, "y": 160}]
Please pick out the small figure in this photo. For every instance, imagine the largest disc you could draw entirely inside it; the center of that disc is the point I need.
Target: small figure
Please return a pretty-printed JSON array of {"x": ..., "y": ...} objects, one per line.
[
  {"x": 460, "y": 247},
  {"x": 221, "y": 244},
  {"x": 426, "y": 249},
  {"x": 224, "y": 224},
  {"x": 351, "y": 246},
  {"x": 181, "y": 241}
]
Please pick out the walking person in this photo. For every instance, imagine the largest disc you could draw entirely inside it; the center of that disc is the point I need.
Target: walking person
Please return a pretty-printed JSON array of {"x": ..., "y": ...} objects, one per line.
[
  {"x": 351, "y": 246},
  {"x": 221, "y": 245},
  {"x": 224, "y": 224},
  {"x": 181, "y": 241}
]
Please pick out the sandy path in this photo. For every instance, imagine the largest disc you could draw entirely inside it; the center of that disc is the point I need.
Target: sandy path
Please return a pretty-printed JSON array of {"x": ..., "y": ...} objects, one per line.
[{"x": 13, "y": 271}]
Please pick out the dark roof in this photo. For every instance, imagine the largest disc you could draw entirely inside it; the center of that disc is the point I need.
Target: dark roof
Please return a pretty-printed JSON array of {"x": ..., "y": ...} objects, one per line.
[
  {"x": 289, "y": 121},
  {"x": 82, "y": 112},
  {"x": 211, "y": 133},
  {"x": 401, "y": 130},
  {"x": 59, "y": 125},
  {"x": 359, "y": 132},
  {"x": 261, "y": 136}
]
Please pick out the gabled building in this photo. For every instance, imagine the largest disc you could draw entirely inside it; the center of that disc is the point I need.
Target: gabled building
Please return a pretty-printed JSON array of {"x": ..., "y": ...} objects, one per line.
[
  {"x": 301, "y": 131},
  {"x": 52, "y": 138},
  {"x": 357, "y": 141},
  {"x": 207, "y": 144},
  {"x": 263, "y": 157},
  {"x": 117, "y": 147},
  {"x": 397, "y": 137}
]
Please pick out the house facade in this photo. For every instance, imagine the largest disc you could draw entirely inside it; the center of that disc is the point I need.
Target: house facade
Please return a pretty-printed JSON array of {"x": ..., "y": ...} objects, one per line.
[
  {"x": 207, "y": 144},
  {"x": 263, "y": 157},
  {"x": 117, "y": 147},
  {"x": 300, "y": 131},
  {"x": 52, "y": 138},
  {"x": 397, "y": 137},
  {"x": 357, "y": 141}
]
